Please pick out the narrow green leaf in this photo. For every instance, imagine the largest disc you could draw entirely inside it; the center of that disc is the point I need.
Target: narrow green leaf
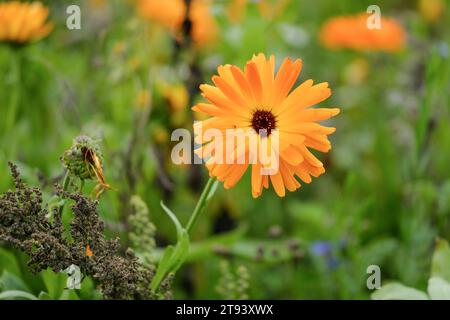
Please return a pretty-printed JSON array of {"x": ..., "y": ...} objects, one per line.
[
  {"x": 398, "y": 291},
  {"x": 44, "y": 296},
  {"x": 8, "y": 262},
  {"x": 16, "y": 295},
  {"x": 438, "y": 289},
  {"x": 174, "y": 219},
  {"x": 440, "y": 264}
]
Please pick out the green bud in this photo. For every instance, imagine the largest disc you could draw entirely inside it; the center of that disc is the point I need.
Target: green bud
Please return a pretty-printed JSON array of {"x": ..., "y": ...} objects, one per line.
[{"x": 78, "y": 159}]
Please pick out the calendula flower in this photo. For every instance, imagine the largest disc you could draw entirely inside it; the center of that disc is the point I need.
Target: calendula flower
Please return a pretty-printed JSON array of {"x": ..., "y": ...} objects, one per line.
[
  {"x": 172, "y": 14},
  {"x": 22, "y": 22},
  {"x": 259, "y": 105},
  {"x": 352, "y": 32}
]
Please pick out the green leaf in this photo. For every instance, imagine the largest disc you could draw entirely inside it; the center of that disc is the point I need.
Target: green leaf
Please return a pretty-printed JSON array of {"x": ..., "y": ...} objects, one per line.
[
  {"x": 173, "y": 257},
  {"x": 69, "y": 295},
  {"x": 398, "y": 291},
  {"x": 163, "y": 267},
  {"x": 8, "y": 262},
  {"x": 440, "y": 264},
  {"x": 438, "y": 289},
  {"x": 10, "y": 282},
  {"x": 180, "y": 252},
  {"x": 54, "y": 282},
  {"x": 174, "y": 219},
  {"x": 44, "y": 296},
  {"x": 17, "y": 295}
]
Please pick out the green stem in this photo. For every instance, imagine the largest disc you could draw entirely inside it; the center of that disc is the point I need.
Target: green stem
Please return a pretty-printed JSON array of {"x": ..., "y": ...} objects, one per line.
[
  {"x": 10, "y": 117},
  {"x": 66, "y": 184},
  {"x": 81, "y": 185},
  {"x": 200, "y": 205}
]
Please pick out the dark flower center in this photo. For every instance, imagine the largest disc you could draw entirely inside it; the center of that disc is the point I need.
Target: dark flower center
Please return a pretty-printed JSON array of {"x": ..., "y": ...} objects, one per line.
[{"x": 263, "y": 120}]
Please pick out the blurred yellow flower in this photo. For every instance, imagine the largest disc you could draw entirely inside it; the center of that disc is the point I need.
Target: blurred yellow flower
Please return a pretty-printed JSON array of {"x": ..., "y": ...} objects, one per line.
[
  {"x": 236, "y": 10},
  {"x": 172, "y": 14},
  {"x": 356, "y": 71},
  {"x": 176, "y": 96},
  {"x": 352, "y": 32},
  {"x": 119, "y": 48},
  {"x": 160, "y": 135},
  {"x": 97, "y": 4},
  {"x": 134, "y": 63},
  {"x": 255, "y": 100},
  {"x": 22, "y": 22},
  {"x": 143, "y": 98},
  {"x": 431, "y": 10},
  {"x": 270, "y": 9}
]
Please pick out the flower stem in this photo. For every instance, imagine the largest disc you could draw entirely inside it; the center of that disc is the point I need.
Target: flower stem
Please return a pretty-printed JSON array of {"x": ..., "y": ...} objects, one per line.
[
  {"x": 66, "y": 184},
  {"x": 200, "y": 205},
  {"x": 11, "y": 113}
]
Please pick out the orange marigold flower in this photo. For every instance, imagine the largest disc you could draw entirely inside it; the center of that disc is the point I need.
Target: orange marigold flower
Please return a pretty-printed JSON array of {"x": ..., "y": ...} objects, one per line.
[
  {"x": 258, "y": 101},
  {"x": 172, "y": 14},
  {"x": 23, "y": 22},
  {"x": 352, "y": 32}
]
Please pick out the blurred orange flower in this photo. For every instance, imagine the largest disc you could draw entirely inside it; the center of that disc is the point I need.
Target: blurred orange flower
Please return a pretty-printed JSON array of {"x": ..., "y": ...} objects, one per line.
[
  {"x": 255, "y": 100},
  {"x": 172, "y": 14},
  {"x": 352, "y": 32},
  {"x": 204, "y": 27},
  {"x": 23, "y": 22},
  {"x": 169, "y": 13}
]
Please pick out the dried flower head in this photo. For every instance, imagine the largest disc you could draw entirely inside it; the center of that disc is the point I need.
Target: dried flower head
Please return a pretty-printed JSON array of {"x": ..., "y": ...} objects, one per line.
[{"x": 25, "y": 224}]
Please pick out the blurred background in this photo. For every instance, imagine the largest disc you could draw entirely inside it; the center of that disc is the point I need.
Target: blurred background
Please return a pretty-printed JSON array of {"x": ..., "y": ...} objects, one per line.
[{"x": 129, "y": 77}]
